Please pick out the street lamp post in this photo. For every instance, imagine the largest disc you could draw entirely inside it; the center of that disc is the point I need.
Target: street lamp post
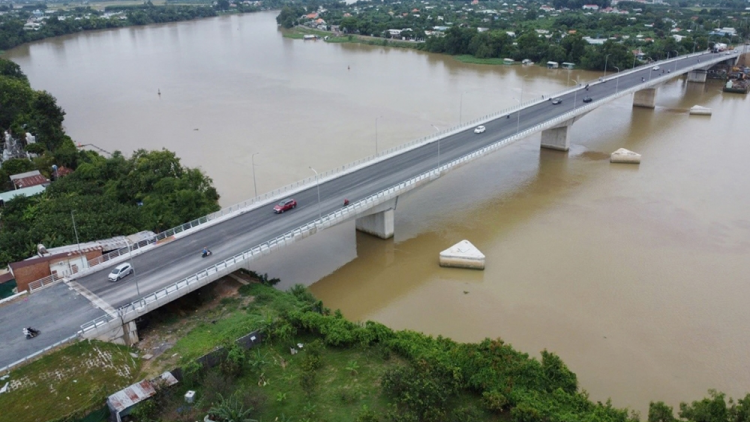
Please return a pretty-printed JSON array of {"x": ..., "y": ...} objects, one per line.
[
  {"x": 135, "y": 276},
  {"x": 634, "y": 57},
  {"x": 518, "y": 115},
  {"x": 317, "y": 183},
  {"x": 437, "y": 130},
  {"x": 617, "y": 83},
  {"x": 376, "y": 134},
  {"x": 460, "y": 108},
  {"x": 575, "y": 94},
  {"x": 75, "y": 230},
  {"x": 606, "y": 58},
  {"x": 252, "y": 161}
]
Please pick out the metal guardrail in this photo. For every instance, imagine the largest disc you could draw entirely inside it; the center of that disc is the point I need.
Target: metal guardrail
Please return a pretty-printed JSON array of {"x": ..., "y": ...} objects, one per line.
[
  {"x": 310, "y": 181},
  {"x": 37, "y": 354}
]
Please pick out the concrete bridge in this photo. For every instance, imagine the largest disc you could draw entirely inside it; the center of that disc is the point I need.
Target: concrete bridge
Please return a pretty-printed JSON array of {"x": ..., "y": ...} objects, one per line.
[{"x": 240, "y": 234}]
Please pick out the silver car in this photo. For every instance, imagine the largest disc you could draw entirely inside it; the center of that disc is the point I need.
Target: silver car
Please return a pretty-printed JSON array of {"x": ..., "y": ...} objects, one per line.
[{"x": 120, "y": 271}]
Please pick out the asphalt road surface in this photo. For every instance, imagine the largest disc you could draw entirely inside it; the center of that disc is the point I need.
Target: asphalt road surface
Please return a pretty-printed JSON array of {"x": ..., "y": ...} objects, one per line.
[{"x": 180, "y": 258}]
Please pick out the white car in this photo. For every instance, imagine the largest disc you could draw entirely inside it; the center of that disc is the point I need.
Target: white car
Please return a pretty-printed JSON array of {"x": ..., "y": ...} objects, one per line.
[
  {"x": 480, "y": 129},
  {"x": 120, "y": 271},
  {"x": 655, "y": 68}
]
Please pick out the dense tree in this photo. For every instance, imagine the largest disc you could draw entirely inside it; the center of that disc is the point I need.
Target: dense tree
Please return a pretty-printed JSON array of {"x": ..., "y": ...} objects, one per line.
[{"x": 105, "y": 194}]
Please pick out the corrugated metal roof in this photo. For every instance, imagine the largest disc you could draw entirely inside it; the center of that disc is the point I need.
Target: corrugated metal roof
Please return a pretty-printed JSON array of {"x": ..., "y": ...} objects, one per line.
[
  {"x": 33, "y": 190},
  {"x": 105, "y": 245},
  {"x": 138, "y": 392},
  {"x": 144, "y": 235},
  {"x": 28, "y": 179},
  {"x": 131, "y": 395}
]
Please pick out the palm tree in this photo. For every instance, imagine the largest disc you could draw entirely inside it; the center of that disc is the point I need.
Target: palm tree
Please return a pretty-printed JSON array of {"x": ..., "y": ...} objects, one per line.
[{"x": 231, "y": 410}]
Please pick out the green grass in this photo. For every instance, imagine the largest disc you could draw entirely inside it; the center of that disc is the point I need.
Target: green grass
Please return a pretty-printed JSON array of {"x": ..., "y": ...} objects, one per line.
[
  {"x": 207, "y": 336},
  {"x": 232, "y": 321},
  {"x": 339, "y": 393},
  {"x": 347, "y": 380},
  {"x": 473, "y": 60},
  {"x": 299, "y": 32},
  {"x": 69, "y": 381}
]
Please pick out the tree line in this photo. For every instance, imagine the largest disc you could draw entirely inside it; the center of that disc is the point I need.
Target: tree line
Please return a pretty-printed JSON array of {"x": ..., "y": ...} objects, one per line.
[
  {"x": 110, "y": 196},
  {"x": 421, "y": 378}
]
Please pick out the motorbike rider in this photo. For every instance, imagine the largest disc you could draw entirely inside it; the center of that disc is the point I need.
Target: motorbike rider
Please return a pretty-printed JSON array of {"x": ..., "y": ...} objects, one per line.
[
  {"x": 346, "y": 202},
  {"x": 206, "y": 252}
]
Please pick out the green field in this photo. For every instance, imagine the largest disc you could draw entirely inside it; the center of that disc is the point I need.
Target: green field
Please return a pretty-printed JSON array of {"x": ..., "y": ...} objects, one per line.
[{"x": 70, "y": 381}]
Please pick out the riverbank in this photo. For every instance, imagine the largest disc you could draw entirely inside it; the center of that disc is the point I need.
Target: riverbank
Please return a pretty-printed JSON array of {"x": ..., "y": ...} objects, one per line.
[
  {"x": 312, "y": 364},
  {"x": 299, "y": 32}
]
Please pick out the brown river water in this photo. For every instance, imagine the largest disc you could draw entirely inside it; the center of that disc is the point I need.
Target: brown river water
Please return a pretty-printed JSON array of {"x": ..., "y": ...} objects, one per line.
[{"x": 637, "y": 276}]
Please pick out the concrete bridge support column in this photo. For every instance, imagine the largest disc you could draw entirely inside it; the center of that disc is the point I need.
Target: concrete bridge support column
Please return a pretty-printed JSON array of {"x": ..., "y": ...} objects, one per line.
[
  {"x": 116, "y": 332},
  {"x": 645, "y": 98},
  {"x": 380, "y": 221},
  {"x": 557, "y": 137},
  {"x": 698, "y": 75}
]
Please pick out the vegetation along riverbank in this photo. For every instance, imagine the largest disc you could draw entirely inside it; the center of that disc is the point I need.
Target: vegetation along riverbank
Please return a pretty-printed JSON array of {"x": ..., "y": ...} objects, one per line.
[
  {"x": 594, "y": 36},
  {"x": 314, "y": 365}
]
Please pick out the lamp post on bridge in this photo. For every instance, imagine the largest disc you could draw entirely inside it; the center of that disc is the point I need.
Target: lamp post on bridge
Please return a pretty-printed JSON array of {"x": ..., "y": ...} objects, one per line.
[
  {"x": 376, "y": 134},
  {"x": 252, "y": 161},
  {"x": 606, "y": 58},
  {"x": 317, "y": 183},
  {"x": 575, "y": 94},
  {"x": 460, "y": 108},
  {"x": 617, "y": 83},
  {"x": 437, "y": 130},
  {"x": 135, "y": 276}
]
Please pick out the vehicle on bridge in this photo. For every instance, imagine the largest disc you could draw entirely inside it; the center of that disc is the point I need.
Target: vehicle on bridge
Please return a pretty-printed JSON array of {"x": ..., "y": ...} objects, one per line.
[
  {"x": 285, "y": 205},
  {"x": 587, "y": 99},
  {"x": 655, "y": 68},
  {"x": 556, "y": 101},
  {"x": 121, "y": 271},
  {"x": 480, "y": 129}
]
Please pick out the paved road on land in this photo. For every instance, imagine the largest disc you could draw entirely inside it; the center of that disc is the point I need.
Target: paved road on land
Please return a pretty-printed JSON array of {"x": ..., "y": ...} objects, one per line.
[
  {"x": 57, "y": 311},
  {"x": 180, "y": 258}
]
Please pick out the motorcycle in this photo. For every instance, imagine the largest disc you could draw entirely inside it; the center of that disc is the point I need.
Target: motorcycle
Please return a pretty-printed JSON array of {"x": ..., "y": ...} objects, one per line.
[
  {"x": 30, "y": 332},
  {"x": 206, "y": 253}
]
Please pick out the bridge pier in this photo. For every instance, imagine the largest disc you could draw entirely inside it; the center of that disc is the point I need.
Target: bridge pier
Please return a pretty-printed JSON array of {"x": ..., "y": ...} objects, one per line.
[
  {"x": 697, "y": 75},
  {"x": 645, "y": 98},
  {"x": 557, "y": 137},
  {"x": 115, "y": 331},
  {"x": 380, "y": 220}
]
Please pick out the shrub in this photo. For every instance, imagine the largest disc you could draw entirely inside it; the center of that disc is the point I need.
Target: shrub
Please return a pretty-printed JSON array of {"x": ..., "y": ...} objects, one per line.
[{"x": 234, "y": 360}]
